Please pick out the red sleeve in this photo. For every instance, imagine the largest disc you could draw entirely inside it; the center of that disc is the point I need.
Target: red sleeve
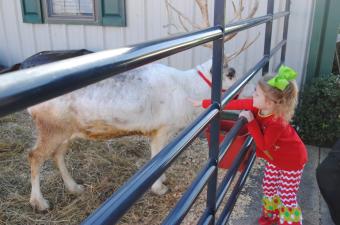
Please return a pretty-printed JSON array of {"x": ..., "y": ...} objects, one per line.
[
  {"x": 265, "y": 141},
  {"x": 206, "y": 103},
  {"x": 239, "y": 104}
]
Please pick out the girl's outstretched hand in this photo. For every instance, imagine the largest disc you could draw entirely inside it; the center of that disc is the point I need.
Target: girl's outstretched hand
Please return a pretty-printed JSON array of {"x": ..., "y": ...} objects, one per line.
[
  {"x": 195, "y": 102},
  {"x": 247, "y": 114}
]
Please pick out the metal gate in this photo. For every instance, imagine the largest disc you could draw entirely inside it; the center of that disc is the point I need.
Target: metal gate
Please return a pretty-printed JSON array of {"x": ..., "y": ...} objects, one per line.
[{"x": 21, "y": 89}]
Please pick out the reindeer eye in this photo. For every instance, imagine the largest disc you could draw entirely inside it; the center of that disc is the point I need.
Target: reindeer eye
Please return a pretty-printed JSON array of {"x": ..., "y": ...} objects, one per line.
[{"x": 231, "y": 73}]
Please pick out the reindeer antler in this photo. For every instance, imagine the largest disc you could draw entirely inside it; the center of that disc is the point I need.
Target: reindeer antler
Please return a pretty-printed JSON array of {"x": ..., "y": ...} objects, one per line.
[
  {"x": 238, "y": 16},
  {"x": 185, "y": 22},
  {"x": 203, "y": 5},
  {"x": 181, "y": 18},
  {"x": 243, "y": 48}
]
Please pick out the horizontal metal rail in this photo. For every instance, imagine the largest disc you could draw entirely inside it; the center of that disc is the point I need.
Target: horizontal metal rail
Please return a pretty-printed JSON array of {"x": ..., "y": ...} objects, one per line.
[
  {"x": 251, "y": 22},
  {"x": 115, "y": 203},
  {"x": 239, "y": 84},
  {"x": 227, "y": 180},
  {"x": 116, "y": 206},
  {"x": 229, "y": 95},
  {"x": 206, "y": 216},
  {"x": 224, "y": 217},
  {"x": 246, "y": 24},
  {"x": 206, "y": 220},
  {"x": 277, "y": 67},
  {"x": 183, "y": 205},
  {"x": 151, "y": 171},
  {"x": 277, "y": 47},
  {"x": 281, "y": 14},
  {"x": 24, "y": 88},
  {"x": 229, "y": 138}
]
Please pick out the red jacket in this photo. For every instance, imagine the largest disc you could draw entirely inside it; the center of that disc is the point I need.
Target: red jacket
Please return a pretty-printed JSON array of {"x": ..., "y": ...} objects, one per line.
[{"x": 275, "y": 136}]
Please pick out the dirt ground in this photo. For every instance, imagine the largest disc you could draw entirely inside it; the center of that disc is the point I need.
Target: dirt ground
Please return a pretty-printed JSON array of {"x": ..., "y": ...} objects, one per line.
[{"x": 102, "y": 167}]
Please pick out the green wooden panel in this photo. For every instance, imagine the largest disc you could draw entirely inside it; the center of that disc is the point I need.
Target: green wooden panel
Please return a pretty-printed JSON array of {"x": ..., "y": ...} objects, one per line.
[
  {"x": 331, "y": 32},
  {"x": 31, "y": 11},
  {"x": 113, "y": 13},
  {"x": 322, "y": 46},
  {"x": 321, "y": 11}
]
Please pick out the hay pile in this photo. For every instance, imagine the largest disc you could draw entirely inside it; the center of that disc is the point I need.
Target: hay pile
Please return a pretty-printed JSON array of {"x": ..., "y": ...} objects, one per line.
[{"x": 101, "y": 166}]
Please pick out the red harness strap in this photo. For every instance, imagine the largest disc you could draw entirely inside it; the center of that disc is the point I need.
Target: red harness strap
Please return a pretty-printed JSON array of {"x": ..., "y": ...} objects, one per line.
[
  {"x": 208, "y": 82},
  {"x": 204, "y": 78}
]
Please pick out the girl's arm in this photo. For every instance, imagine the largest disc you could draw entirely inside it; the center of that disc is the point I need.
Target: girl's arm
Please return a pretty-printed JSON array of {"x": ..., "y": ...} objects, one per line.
[
  {"x": 265, "y": 140},
  {"x": 239, "y": 104}
]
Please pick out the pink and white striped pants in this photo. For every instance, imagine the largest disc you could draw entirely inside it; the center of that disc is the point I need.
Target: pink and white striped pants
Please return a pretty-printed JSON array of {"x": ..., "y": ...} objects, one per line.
[
  {"x": 282, "y": 183},
  {"x": 280, "y": 188}
]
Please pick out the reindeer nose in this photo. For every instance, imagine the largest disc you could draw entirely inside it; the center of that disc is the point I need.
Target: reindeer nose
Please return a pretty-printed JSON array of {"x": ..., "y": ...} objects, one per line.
[{"x": 231, "y": 73}]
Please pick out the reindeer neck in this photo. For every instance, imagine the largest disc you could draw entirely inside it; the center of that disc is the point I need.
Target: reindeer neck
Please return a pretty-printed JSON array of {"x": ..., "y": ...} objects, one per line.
[{"x": 194, "y": 85}]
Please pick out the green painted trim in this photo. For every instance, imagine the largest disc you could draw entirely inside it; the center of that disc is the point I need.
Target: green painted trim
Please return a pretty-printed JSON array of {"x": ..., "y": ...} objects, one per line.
[
  {"x": 331, "y": 33},
  {"x": 31, "y": 11},
  {"x": 321, "y": 10},
  {"x": 109, "y": 13},
  {"x": 322, "y": 46},
  {"x": 113, "y": 13},
  {"x": 70, "y": 20}
]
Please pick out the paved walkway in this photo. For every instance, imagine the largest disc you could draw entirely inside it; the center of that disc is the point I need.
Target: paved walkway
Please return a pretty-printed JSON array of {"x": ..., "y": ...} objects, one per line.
[{"x": 314, "y": 209}]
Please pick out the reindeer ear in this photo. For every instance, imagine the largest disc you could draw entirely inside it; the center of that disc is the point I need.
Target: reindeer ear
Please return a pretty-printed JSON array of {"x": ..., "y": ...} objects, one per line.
[{"x": 231, "y": 72}]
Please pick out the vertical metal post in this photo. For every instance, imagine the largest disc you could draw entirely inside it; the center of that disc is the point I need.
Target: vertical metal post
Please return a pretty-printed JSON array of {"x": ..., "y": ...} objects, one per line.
[
  {"x": 268, "y": 35},
  {"x": 217, "y": 70},
  {"x": 285, "y": 32}
]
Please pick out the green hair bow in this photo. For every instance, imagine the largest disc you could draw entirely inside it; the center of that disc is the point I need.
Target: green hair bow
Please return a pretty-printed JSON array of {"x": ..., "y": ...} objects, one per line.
[{"x": 282, "y": 78}]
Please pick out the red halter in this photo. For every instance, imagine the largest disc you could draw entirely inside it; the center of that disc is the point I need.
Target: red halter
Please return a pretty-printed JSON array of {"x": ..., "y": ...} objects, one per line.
[{"x": 206, "y": 80}]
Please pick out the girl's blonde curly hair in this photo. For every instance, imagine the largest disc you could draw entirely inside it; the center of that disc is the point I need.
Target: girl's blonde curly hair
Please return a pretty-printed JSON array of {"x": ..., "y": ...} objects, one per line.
[{"x": 285, "y": 101}]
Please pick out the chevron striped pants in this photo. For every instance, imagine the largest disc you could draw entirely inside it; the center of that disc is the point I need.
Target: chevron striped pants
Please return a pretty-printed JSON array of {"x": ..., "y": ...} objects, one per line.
[{"x": 280, "y": 188}]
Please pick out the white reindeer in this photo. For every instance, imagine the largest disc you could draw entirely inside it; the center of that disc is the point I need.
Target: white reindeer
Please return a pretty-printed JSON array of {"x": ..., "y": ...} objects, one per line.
[{"x": 150, "y": 100}]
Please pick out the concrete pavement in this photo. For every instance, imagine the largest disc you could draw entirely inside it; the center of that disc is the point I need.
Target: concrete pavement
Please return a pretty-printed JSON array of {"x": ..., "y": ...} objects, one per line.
[{"x": 314, "y": 208}]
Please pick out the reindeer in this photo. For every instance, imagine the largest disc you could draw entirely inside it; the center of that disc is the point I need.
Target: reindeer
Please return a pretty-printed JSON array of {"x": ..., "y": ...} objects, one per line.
[{"x": 150, "y": 100}]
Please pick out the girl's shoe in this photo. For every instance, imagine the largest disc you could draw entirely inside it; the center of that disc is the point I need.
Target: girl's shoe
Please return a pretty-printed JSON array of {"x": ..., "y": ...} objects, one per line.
[
  {"x": 291, "y": 223},
  {"x": 263, "y": 220}
]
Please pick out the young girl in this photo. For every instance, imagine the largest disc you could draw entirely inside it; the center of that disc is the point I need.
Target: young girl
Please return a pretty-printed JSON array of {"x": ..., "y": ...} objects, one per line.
[{"x": 270, "y": 110}]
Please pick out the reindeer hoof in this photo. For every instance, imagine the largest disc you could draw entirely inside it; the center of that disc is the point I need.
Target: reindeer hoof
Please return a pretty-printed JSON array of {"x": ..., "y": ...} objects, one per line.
[
  {"x": 163, "y": 178},
  {"x": 39, "y": 204},
  {"x": 159, "y": 189},
  {"x": 76, "y": 189}
]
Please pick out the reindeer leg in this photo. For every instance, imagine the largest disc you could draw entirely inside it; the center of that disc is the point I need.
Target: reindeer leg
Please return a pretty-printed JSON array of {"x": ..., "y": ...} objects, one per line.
[
  {"x": 45, "y": 146},
  {"x": 37, "y": 158},
  {"x": 59, "y": 158},
  {"x": 158, "y": 141},
  {"x": 49, "y": 139}
]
